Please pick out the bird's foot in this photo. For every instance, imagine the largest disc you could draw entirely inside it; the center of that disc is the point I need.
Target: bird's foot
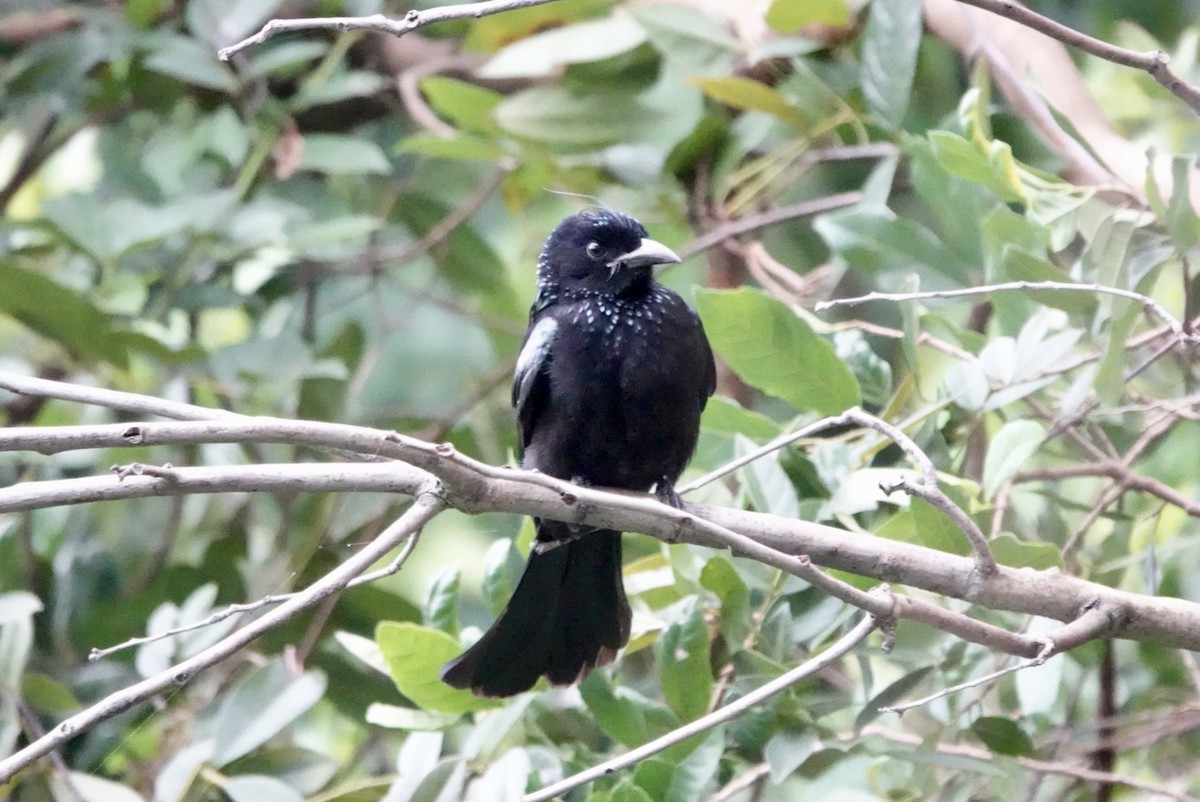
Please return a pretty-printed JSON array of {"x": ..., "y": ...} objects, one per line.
[
  {"x": 574, "y": 532},
  {"x": 665, "y": 491}
]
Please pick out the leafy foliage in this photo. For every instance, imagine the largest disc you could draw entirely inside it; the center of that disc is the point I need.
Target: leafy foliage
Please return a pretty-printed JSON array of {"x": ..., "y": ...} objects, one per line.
[{"x": 282, "y": 236}]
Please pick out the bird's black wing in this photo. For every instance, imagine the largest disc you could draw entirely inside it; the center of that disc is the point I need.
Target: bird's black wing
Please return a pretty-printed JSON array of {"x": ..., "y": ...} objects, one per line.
[{"x": 531, "y": 379}]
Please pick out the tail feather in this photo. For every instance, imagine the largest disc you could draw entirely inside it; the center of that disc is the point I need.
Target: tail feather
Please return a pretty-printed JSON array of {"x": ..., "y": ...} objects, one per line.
[{"x": 567, "y": 616}]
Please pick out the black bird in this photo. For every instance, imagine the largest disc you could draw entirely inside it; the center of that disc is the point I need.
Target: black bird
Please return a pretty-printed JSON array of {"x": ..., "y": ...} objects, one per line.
[{"x": 612, "y": 377}]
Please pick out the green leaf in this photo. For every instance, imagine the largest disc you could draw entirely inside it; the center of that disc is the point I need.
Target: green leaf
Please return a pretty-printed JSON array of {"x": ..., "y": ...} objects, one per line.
[
  {"x": 260, "y": 706},
  {"x": 1010, "y": 551},
  {"x": 415, "y": 656},
  {"x": 407, "y": 718},
  {"x": 222, "y": 22},
  {"x": 502, "y": 567},
  {"x": 545, "y": 53},
  {"x": 281, "y": 56},
  {"x": 787, "y": 750},
  {"x": 18, "y": 605},
  {"x": 1021, "y": 265},
  {"x": 465, "y": 258},
  {"x": 775, "y": 350},
  {"x": 60, "y": 315},
  {"x": 554, "y": 115},
  {"x": 726, "y": 415},
  {"x": 47, "y": 696},
  {"x": 875, "y": 239},
  {"x": 789, "y": 16},
  {"x": 995, "y": 169},
  {"x": 259, "y": 788},
  {"x": 1003, "y": 736},
  {"x": 890, "y": 695},
  {"x": 340, "y": 86},
  {"x": 1008, "y": 451},
  {"x": 769, "y": 486},
  {"x": 466, "y": 105},
  {"x": 691, "y": 43},
  {"x": 889, "y": 58},
  {"x": 626, "y": 791},
  {"x": 683, "y": 657},
  {"x": 695, "y": 772},
  {"x": 338, "y": 154},
  {"x": 622, "y": 716},
  {"x": 720, "y": 577},
  {"x": 440, "y": 610},
  {"x": 1181, "y": 219},
  {"x": 89, "y": 786},
  {"x": 750, "y": 95},
  {"x": 458, "y": 148},
  {"x": 874, "y": 375},
  {"x": 188, "y": 60},
  {"x": 936, "y": 531}
]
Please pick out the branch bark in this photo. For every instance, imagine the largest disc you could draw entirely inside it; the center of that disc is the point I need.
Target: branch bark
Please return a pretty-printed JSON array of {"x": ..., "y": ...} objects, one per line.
[{"x": 476, "y": 487}]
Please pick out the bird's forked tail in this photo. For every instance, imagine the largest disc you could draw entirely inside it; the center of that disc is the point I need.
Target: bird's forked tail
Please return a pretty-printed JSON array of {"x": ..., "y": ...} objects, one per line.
[{"x": 567, "y": 616}]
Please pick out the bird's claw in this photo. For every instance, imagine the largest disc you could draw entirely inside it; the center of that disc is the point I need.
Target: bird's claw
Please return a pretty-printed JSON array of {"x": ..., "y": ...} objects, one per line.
[{"x": 665, "y": 492}]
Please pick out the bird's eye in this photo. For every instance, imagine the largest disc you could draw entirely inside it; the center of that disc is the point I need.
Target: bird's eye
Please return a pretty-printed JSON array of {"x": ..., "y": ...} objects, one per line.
[{"x": 595, "y": 250}]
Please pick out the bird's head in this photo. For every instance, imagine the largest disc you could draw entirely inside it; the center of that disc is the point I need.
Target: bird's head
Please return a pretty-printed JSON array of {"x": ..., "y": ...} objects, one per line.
[{"x": 600, "y": 251}]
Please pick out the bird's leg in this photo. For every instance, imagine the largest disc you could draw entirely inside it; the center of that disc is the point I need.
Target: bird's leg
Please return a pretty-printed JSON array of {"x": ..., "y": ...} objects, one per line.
[
  {"x": 665, "y": 491},
  {"x": 574, "y": 531}
]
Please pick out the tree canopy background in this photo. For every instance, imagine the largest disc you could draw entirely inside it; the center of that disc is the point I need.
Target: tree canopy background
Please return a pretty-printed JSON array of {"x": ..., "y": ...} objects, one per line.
[{"x": 343, "y": 227}]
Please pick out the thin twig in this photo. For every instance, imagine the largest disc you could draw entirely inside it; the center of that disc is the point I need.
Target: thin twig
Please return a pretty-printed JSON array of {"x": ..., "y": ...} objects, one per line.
[
  {"x": 1097, "y": 621},
  {"x": 929, "y": 487},
  {"x": 234, "y": 609},
  {"x": 1117, "y": 471},
  {"x": 731, "y": 711},
  {"x": 1062, "y": 769},
  {"x": 974, "y": 683},
  {"x": 427, "y": 504},
  {"x": 1154, "y": 62},
  {"x": 413, "y": 20},
  {"x": 755, "y": 774},
  {"x": 112, "y": 399},
  {"x": 756, "y": 222},
  {"x": 1148, "y": 303}
]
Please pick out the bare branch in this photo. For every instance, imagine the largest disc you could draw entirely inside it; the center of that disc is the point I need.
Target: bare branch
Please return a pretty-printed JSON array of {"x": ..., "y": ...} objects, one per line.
[
  {"x": 235, "y": 609},
  {"x": 475, "y": 487},
  {"x": 1155, "y": 62},
  {"x": 413, "y": 20},
  {"x": 1149, "y": 304},
  {"x": 731, "y": 711},
  {"x": 427, "y": 504},
  {"x": 974, "y": 683},
  {"x": 755, "y": 222},
  {"x": 1042, "y": 766},
  {"x": 1119, "y": 471},
  {"x": 113, "y": 399},
  {"x": 1097, "y": 621},
  {"x": 929, "y": 488}
]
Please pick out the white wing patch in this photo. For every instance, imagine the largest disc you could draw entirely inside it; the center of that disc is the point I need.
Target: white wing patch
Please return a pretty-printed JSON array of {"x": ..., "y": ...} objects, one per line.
[{"x": 533, "y": 356}]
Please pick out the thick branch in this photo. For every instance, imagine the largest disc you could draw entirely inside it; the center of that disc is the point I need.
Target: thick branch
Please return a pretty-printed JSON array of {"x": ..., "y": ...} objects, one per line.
[{"x": 475, "y": 487}]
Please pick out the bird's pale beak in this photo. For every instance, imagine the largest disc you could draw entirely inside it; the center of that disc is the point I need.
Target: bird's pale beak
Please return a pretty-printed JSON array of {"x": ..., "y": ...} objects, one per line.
[{"x": 647, "y": 254}]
